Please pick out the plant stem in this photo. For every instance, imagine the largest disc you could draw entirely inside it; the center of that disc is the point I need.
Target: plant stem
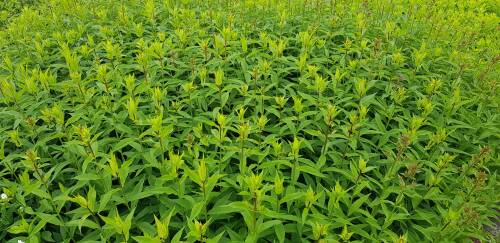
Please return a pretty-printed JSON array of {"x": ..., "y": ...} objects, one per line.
[
  {"x": 278, "y": 203},
  {"x": 204, "y": 190},
  {"x": 254, "y": 213},
  {"x": 46, "y": 185},
  {"x": 161, "y": 148},
  {"x": 294, "y": 168},
  {"x": 242, "y": 158},
  {"x": 89, "y": 146}
]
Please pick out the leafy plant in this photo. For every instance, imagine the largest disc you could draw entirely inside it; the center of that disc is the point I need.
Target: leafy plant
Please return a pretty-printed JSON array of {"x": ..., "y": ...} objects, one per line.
[{"x": 249, "y": 121}]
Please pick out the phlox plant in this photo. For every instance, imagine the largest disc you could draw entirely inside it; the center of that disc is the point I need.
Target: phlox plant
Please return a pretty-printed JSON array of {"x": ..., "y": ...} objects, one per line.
[{"x": 249, "y": 121}]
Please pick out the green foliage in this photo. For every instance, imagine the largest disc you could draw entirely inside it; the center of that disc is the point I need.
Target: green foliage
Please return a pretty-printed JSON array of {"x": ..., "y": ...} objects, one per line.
[
  {"x": 11, "y": 8},
  {"x": 249, "y": 121}
]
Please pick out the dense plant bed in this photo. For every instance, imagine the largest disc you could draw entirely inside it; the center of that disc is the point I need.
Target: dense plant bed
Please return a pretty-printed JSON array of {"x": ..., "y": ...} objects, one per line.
[
  {"x": 11, "y": 8},
  {"x": 249, "y": 121}
]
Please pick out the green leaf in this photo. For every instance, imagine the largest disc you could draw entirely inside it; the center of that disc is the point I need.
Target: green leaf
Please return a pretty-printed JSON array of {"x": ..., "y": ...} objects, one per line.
[{"x": 279, "y": 229}]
